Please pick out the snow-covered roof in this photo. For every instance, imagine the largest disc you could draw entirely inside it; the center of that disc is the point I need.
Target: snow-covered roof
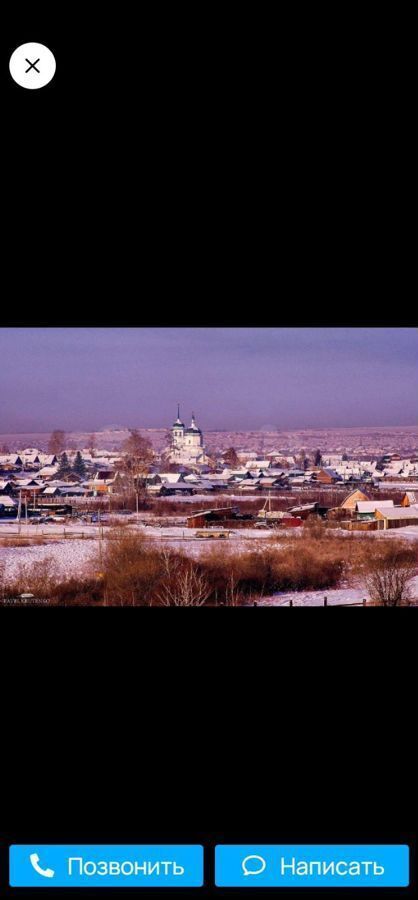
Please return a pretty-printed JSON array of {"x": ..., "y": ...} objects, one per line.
[
  {"x": 399, "y": 512},
  {"x": 353, "y": 494},
  {"x": 330, "y": 471},
  {"x": 258, "y": 464},
  {"x": 303, "y": 508},
  {"x": 48, "y": 459},
  {"x": 5, "y": 500},
  {"x": 171, "y": 477},
  {"x": 216, "y": 476},
  {"x": 266, "y": 481},
  {"x": 72, "y": 489},
  {"x": 28, "y": 482},
  {"x": 48, "y": 470},
  {"x": 369, "y": 506}
]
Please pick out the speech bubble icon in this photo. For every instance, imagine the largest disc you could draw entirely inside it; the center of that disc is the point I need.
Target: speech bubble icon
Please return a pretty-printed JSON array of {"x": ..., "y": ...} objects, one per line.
[{"x": 255, "y": 869}]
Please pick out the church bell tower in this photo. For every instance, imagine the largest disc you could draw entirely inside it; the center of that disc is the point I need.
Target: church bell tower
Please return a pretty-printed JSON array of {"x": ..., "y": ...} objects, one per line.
[{"x": 178, "y": 431}]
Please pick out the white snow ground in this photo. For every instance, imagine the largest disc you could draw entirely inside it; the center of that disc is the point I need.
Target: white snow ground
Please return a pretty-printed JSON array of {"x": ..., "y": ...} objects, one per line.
[
  {"x": 72, "y": 557},
  {"x": 68, "y": 558},
  {"x": 336, "y": 597}
]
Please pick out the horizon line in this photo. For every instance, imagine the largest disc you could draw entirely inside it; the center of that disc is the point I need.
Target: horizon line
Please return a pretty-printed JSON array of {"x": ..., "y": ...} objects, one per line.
[{"x": 213, "y": 430}]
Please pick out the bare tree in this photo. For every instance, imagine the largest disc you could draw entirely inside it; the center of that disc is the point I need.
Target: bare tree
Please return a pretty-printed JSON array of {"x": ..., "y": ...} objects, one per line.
[
  {"x": 318, "y": 458},
  {"x": 183, "y": 585},
  {"x": 169, "y": 439},
  {"x": 135, "y": 465},
  {"x": 230, "y": 458},
  {"x": 233, "y": 594},
  {"x": 138, "y": 453},
  {"x": 168, "y": 448},
  {"x": 91, "y": 443},
  {"x": 388, "y": 575},
  {"x": 131, "y": 570},
  {"x": 57, "y": 442}
]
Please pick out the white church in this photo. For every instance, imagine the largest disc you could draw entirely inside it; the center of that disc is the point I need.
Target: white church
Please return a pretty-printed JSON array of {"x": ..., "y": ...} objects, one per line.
[{"x": 187, "y": 443}]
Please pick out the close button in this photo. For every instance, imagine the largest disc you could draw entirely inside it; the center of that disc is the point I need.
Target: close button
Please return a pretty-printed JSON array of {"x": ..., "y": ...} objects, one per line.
[{"x": 32, "y": 66}]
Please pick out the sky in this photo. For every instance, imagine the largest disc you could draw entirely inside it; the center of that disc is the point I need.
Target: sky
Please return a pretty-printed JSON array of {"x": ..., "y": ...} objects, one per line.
[{"x": 85, "y": 379}]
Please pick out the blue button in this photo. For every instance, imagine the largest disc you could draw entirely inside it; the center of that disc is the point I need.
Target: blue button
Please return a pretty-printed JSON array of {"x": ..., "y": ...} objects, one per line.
[
  {"x": 108, "y": 865},
  {"x": 311, "y": 865}
]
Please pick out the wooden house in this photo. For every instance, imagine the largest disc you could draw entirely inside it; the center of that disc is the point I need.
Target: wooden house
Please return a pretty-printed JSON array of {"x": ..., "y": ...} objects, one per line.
[
  {"x": 397, "y": 516},
  {"x": 348, "y": 505},
  {"x": 410, "y": 498}
]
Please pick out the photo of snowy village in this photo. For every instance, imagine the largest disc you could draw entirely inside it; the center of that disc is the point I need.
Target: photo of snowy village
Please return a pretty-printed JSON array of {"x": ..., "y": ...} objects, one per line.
[{"x": 180, "y": 514}]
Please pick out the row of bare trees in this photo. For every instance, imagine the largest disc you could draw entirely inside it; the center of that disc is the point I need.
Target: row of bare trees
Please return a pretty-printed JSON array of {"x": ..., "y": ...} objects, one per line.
[{"x": 58, "y": 442}]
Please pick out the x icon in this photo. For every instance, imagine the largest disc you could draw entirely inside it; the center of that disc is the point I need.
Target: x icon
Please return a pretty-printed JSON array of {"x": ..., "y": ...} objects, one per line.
[{"x": 32, "y": 65}]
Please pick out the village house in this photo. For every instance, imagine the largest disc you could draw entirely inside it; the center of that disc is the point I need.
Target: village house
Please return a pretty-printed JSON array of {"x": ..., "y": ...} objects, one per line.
[
  {"x": 396, "y": 517},
  {"x": 48, "y": 459},
  {"x": 50, "y": 491},
  {"x": 6, "y": 487},
  {"x": 31, "y": 457},
  {"x": 305, "y": 511},
  {"x": 410, "y": 498},
  {"x": 11, "y": 462},
  {"x": 28, "y": 487},
  {"x": 47, "y": 472},
  {"x": 366, "y": 508},
  {"x": 347, "y": 507},
  {"x": 350, "y": 502},
  {"x": 258, "y": 464},
  {"x": 102, "y": 483},
  {"x": 325, "y": 476},
  {"x": 8, "y": 505},
  {"x": 225, "y": 517}
]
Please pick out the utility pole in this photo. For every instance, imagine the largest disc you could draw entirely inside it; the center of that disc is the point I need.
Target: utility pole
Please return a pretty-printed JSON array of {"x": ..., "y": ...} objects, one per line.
[{"x": 100, "y": 539}]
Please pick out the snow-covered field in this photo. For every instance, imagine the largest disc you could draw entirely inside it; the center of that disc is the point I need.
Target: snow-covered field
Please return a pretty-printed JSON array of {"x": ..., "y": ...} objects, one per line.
[
  {"x": 75, "y": 555},
  {"x": 68, "y": 558},
  {"x": 337, "y": 597}
]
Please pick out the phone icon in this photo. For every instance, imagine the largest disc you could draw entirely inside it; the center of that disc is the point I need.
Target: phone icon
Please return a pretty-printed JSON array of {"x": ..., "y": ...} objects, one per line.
[{"x": 47, "y": 873}]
